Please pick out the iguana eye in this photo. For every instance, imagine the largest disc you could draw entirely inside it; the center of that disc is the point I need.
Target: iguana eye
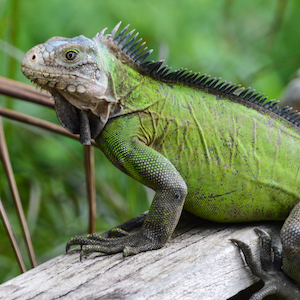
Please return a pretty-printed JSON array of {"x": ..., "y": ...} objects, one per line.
[{"x": 71, "y": 54}]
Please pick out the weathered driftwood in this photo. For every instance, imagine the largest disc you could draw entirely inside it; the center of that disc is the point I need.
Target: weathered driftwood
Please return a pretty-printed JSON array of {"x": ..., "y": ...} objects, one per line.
[{"x": 199, "y": 262}]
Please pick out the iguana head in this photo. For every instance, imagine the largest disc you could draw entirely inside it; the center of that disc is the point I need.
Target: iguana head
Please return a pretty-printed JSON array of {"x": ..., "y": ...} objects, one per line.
[
  {"x": 90, "y": 79},
  {"x": 76, "y": 72}
]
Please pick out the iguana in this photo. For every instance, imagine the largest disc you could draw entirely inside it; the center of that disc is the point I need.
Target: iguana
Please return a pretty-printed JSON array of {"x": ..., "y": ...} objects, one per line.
[{"x": 219, "y": 151}]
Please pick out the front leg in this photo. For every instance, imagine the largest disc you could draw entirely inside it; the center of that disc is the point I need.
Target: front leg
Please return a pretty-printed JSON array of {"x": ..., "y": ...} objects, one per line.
[{"x": 154, "y": 170}]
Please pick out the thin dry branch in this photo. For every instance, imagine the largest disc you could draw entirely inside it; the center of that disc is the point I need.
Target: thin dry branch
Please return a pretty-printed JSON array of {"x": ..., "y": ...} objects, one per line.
[
  {"x": 12, "y": 238},
  {"x": 90, "y": 184},
  {"x": 38, "y": 123},
  {"x": 15, "y": 194},
  {"x": 22, "y": 91},
  {"x": 25, "y": 92}
]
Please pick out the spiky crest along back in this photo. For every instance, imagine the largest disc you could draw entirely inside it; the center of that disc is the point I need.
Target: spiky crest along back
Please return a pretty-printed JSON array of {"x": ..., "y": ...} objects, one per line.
[{"x": 136, "y": 52}]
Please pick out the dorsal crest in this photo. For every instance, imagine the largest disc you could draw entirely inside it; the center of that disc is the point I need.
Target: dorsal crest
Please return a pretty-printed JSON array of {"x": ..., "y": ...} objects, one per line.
[{"x": 136, "y": 52}]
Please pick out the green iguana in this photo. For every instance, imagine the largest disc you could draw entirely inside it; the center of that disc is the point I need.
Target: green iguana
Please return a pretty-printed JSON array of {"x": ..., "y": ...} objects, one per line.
[{"x": 219, "y": 151}]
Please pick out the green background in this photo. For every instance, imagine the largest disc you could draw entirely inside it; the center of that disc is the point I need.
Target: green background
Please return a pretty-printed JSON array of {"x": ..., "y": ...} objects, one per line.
[{"x": 255, "y": 43}]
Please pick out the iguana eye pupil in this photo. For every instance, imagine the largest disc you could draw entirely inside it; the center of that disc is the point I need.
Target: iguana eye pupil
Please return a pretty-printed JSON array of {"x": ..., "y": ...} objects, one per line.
[{"x": 71, "y": 55}]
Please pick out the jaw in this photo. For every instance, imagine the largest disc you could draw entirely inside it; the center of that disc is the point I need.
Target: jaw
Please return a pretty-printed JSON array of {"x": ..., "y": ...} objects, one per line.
[
  {"x": 75, "y": 120},
  {"x": 82, "y": 109},
  {"x": 78, "y": 119}
]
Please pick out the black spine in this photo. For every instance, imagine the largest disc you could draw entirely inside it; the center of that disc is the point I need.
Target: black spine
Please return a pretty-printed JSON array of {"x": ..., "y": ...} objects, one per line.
[{"x": 138, "y": 53}]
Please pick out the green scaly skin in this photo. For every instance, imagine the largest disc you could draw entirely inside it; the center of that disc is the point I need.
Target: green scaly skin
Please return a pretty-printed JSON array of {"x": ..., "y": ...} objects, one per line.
[{"x": 213, "y": 154}]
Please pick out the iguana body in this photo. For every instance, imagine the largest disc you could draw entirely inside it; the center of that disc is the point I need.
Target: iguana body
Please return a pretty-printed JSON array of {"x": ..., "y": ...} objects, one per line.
[{"x": 223, "y": 153}]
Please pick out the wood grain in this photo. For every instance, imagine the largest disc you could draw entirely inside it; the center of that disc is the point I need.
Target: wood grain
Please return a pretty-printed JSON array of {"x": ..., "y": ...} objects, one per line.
[{"x": 198, "y": 262}]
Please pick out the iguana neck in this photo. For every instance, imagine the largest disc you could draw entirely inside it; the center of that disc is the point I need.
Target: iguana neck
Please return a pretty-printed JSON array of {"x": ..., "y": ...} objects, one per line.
[{"x": 129, "y": 86}]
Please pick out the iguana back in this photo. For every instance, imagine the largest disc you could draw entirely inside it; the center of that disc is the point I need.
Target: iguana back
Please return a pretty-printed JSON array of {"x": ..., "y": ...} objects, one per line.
[{"x": 238, "y": 160}]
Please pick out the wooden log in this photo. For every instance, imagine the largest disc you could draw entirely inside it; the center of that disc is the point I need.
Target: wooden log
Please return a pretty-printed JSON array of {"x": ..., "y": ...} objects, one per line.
[{"x": 198, "y": 262}]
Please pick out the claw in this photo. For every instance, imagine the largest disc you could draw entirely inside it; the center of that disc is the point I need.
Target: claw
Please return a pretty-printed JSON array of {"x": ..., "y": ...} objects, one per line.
[
  {"x": 68, "y": 246},
  {"x": 81, "y": 255},
  {"x": 277, "y": 258},
  {"x": 78, "y": 240},
  {"x": 71, "y": 242},
  {"x": 250, "y": 261},
  {"x": 261, "y": 232},
  {"x": 265, "y": 250}
]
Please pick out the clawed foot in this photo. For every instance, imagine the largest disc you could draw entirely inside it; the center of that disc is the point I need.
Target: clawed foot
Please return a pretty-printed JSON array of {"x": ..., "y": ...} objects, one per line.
[
  {"x": 120, "y": 240},
  {"x": 114, "y": 243},
  {"x": 269, "y": 269},
  {"x": 117, "y": 240}
]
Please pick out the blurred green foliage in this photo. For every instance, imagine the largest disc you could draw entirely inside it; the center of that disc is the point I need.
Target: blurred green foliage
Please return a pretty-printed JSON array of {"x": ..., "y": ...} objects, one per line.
[{"x": 255, "y": 43}]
